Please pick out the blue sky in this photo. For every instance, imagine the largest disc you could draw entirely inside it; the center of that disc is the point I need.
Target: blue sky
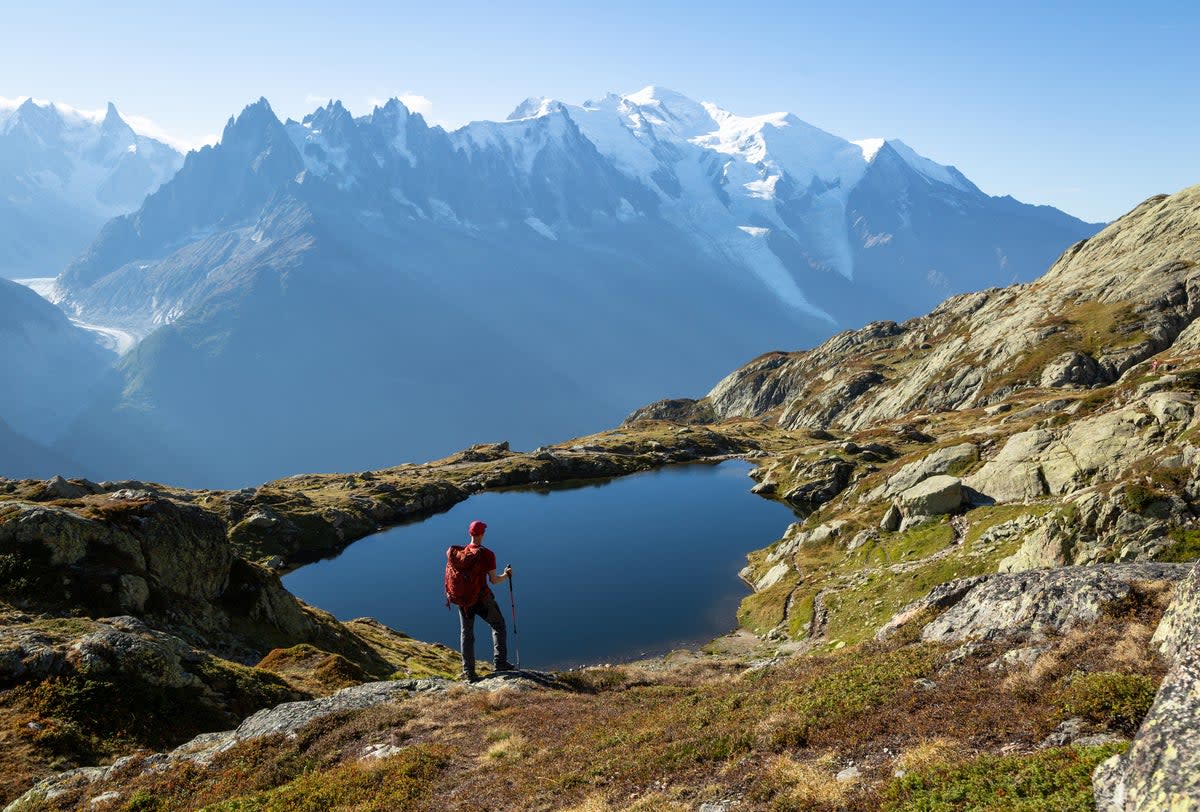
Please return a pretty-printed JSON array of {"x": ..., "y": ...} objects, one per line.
[{"x": 1090, "y": 107}]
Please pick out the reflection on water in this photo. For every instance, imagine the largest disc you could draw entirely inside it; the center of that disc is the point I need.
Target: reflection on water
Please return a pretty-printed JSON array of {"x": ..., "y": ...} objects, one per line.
[{"x": 604, "y": 573}]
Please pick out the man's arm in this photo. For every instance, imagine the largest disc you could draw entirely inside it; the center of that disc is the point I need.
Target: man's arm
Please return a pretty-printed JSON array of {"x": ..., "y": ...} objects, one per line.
[{"x": 502, "y": 577}]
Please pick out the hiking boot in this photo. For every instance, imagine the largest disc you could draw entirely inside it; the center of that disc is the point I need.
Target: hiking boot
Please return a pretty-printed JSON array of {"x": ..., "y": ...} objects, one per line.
[
  {"x": 504, "y": 665},
  {"x": 468, "y": 676}
]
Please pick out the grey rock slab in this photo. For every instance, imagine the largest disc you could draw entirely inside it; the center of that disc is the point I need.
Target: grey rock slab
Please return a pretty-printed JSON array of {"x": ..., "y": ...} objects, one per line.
[
  {"x": 849, "y": 774},
  {"x": 891, "y": 519},
  {"x": 771, "y": 577},
  {"x": 942, "y": 461},
  {"x": 59, "y": 488},
  {"x": 1037, "y": 602},
  {"x": 932, "y": 496},
  {"x": 1108, "y": 785},
  {"x": 1072, "y": 368},
  {"x": 940, "y": 597},
  {"x": 1023, "y": 657},
  {"x": 1014, "y": 474},
  {"x": 291, "y": 716},
  {"x": 1178, "y": 633},
  {"x": 1067, "y": 732}
]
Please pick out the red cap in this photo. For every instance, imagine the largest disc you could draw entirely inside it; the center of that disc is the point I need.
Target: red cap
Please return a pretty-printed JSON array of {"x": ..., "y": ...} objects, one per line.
[{"x": 476, "y": 528}]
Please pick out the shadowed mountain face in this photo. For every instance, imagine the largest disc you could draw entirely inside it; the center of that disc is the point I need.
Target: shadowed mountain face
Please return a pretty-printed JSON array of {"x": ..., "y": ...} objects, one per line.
[
  {"x": 349, "y": 293},
  {"x": 24, "y": 458},
  {"x": 50, "y": 367},
  {"x": 62, "y": 176}
]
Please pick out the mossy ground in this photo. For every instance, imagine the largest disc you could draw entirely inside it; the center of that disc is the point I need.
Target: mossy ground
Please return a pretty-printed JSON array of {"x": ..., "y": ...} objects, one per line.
[
  {"x": 408, "y": 657},
  {"x": 631, "y": 738}
]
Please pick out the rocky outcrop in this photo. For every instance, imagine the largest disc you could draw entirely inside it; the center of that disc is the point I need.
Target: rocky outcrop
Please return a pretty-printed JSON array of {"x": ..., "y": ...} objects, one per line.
[
  {"x": 949, "y": 460},
  {"x": 1044, "y": 461},
  {"x": 121, "y": 552},
  {"x": 818, "y": 482},
  {"x": 120, "y": 648},
  {"x": 166, "y": 562},
  {"x": 932, "y": 497},
  {"x": 1161, "y": 770},
  {"x": 677, "y": 410},
  {"x": 1072, "y": 368},
  {"x": 282, "y": 720},
  {"x": 1030, "y": 604}
]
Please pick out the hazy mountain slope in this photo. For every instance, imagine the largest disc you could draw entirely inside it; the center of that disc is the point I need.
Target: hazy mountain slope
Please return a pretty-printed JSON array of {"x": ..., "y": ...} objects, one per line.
[
  {"x": 22, "y": 457},
  {"x": 63, "y": 174},
  {"x": 50, "y": 366}
]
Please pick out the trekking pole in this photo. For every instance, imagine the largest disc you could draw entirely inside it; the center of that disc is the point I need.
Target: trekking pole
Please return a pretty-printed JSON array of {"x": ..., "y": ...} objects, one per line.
[{"x": 516, "y": 639}]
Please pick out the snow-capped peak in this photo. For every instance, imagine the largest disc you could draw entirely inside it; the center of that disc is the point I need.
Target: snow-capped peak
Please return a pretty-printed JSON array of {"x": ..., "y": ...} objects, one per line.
[
  {"x": 534, "y": 107},
  {"x": 928, "y": 168},
  {"x": 671, "y": 111},
  {"x": 112, "y": 119},
  {"x": 870, "y": 147},
  {"x": 661, "y": 96}
]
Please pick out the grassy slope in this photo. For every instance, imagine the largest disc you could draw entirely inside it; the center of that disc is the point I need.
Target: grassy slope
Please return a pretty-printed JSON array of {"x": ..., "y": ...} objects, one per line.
[{"x": 652, "y": 739}]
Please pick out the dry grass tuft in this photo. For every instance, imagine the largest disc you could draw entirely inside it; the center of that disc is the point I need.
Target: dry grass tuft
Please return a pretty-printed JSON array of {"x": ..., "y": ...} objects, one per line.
[
  {"x": 653, "y": 802},
  {"x": 793, "y": 784},
  {"x": 592, "y": 803},
  {"x": 506, "y": 745},
  {"x": 928, "y": 752},
  {"x": 495, "y": 701}
]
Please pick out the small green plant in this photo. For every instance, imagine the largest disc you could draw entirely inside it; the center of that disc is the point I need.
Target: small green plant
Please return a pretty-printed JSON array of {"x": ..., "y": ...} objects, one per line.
[
  {"x": 1185, "y": 546},
  {"x": 142, "y": 801},
  {"x": 1055, "y": 780},
  {"x": 1138, "y": 497},
  {"x": 1117, "y": 701}
]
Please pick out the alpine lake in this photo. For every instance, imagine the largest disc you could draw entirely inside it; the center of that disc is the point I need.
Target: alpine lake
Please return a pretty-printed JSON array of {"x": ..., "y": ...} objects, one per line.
[{"x": 604, "y": 572}]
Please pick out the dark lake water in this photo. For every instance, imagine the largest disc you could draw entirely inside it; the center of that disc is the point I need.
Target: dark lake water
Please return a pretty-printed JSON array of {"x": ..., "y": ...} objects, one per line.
[{"x": 603, "y": 572}]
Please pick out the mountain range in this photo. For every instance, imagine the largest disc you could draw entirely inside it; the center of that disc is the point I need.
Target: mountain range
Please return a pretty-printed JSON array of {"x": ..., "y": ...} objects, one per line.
[
  {"x": 345, "y": 293},
  {"x": 63, "y": 174}
]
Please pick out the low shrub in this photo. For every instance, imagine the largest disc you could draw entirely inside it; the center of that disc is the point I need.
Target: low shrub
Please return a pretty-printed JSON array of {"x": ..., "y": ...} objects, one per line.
[
  {"x": 1116, "y": 701},
  {"x": 1054, "y": 780},
  {"x": 1184, "y": 547}
]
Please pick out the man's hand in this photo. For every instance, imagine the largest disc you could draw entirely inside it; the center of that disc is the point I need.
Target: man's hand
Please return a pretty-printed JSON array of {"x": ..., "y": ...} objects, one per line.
[{"x": 508, "y": 571}]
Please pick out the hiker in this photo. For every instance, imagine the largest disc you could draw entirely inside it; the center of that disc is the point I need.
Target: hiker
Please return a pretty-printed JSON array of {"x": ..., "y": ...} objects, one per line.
[
  {"x": 1154, "y": 365},
  {"x": 468, "y": 570}
]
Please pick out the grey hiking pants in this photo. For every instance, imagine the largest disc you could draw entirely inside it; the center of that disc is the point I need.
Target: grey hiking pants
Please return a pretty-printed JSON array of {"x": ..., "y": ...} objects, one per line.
[{"x": 487, "y": 609}]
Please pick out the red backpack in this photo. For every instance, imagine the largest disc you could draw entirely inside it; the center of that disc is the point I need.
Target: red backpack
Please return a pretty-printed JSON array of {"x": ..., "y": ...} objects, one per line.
[{"x": 463, "y": 581}]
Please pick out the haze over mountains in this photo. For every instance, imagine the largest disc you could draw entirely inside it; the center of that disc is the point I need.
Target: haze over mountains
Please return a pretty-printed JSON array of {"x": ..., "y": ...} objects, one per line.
[
  {"x": 63, "y": 174},
  {"x": 347, "y": 293}
]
